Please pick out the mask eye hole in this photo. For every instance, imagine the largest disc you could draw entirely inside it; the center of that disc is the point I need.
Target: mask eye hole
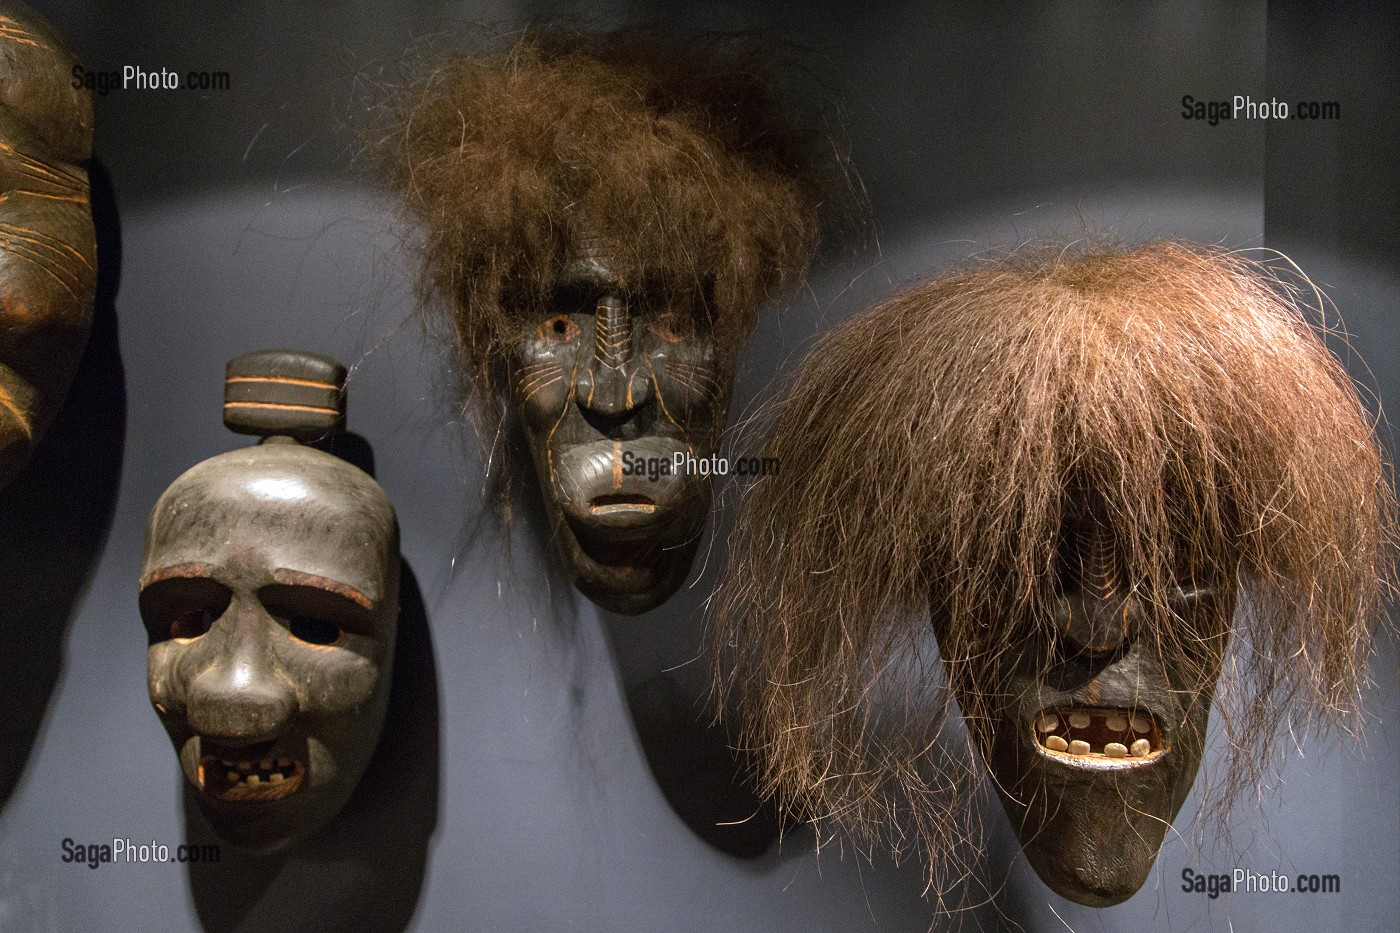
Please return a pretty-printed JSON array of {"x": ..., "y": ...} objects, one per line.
[
  {"x": 191, "y": 624},
  {"x": 315, "y": 631},
  {"x": 318, "y": 612},
  {"x": 672, "y": 327},
  {"x": 182, "y": 607},
  {"x": 558, "y": 329}
]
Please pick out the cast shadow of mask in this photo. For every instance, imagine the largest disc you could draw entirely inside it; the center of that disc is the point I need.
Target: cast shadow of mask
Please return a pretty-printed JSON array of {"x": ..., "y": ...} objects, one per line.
[
  {"x": 696, "y": 762},
  {"x": 364, "y": 871},
  {"x": 657, "y": 658},
  {"x": 55, "y": 515},
  {"x": 703, "y": 777}
]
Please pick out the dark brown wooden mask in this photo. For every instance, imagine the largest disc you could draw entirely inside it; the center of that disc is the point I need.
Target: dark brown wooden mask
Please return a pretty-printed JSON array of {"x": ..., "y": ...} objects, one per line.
[
  {"x": 270, "y": 595},
  {"x": 622, "y": 397},
  {"x": 48, "y": 254}
]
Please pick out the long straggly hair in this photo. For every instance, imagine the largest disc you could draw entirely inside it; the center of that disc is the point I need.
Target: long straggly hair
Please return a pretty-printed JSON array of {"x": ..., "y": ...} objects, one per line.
[
  {"x": 680, "y": 156},
  {"x": 933, "y": 449}
]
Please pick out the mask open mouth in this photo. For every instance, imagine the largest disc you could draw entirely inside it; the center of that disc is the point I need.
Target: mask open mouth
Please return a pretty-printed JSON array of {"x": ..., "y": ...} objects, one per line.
[
  {"x": 620, "y": 503},
  {"x": 257, "y": 780},
  {"x": 1098, "y": 738}
]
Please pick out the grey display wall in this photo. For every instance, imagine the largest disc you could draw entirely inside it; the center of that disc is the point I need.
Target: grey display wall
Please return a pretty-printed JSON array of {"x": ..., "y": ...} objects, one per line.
[{"x": 545, "y": 766}]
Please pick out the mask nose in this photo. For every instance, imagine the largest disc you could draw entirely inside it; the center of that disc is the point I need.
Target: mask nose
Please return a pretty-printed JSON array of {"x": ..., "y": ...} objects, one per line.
[
  {"x": 611, "y": 390},
  {"x": 1098, "y": 614},
  {"x": 241, "y": 697}
]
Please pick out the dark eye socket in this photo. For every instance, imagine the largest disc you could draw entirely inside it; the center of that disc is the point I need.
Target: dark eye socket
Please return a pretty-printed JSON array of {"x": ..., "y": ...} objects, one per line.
[
  {"x": 315, "y": 615},
  {"x": 182, "y": 607},
  {"x": 191, "y": 623},
  {"x": 558, "y": 329},
  {"x": 315, "y": 631}
]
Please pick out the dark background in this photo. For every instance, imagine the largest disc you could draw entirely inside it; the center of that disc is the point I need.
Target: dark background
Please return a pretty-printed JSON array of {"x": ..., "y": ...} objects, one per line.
[{"x": 544, "y": 767}]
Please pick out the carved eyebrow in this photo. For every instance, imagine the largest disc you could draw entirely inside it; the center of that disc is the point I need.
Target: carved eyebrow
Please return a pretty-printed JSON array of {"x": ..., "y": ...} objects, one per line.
[
  {"x": 298, "y": 578},
  {"x": 191, "y": 570}
]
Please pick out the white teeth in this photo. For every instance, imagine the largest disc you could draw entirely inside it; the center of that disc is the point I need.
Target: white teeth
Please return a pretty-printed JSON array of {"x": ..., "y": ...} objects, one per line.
[
  {"x": 276, "y": 778},
  {"x": 1141, "y": 747},
  {"x": 1047, "y": 722},
  {"x": 1116, "y": 750},
  {"x": 1079, "y": 747},
  {"x": 1079, "y": 720},
  {"x": 1116, "y": 722},
  {"x": 232, "y": 777},
  {"x": 254, "y": 780},
  {"x": 1141, "y": 724},
  {"x": 1055, "y": 743}
]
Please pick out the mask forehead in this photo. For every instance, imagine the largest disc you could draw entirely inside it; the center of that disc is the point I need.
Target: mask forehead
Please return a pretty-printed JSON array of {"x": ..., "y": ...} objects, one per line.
[{"x": 255, "y": 516}]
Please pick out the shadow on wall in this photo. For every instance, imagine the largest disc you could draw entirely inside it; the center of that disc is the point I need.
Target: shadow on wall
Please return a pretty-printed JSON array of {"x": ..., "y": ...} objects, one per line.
[
  {"x": 55, "y": 516},
  {"x": 663, "y": 661},
  {"x": 364, "y": 872},
  {"x": 664, "y": 673},
  {"x": 704, "y": 779}
]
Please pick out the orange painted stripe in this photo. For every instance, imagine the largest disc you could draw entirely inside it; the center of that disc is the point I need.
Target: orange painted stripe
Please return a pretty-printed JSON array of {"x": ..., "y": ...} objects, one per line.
[
  {"x": 75, "y": 198},
  {"x": 278, "y": 406},
  {"x": 286, "y": 380},
  {"x": 41, "y": 240},
  {"x": 7, "y": 401},
  {"x": 300, "y": 578}
]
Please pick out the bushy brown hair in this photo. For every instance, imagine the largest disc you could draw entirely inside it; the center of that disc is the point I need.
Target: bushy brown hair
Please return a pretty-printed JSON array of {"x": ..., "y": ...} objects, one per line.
[
  {"x": 934, "y": 446},
  {"x": 679, "y": 157}
]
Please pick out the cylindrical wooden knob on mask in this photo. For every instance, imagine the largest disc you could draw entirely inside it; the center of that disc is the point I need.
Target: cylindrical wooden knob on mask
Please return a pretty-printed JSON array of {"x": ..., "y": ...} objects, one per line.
[{"x": 288, "y": 393}]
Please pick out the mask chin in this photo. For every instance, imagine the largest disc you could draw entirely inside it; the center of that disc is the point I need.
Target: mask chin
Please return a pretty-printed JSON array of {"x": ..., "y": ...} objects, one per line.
[
  {"x": 631, "y": 556},
  {"x": 270, "y": 795},
  {"x": 1092, "y": 775}
]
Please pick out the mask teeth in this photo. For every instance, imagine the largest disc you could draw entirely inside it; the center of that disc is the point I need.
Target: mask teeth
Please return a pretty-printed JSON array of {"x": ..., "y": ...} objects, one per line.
[
  {"x": 1099, "y": 733},
  {"x": 250, "y": 779},
  {"x": 255, "y": 773}
]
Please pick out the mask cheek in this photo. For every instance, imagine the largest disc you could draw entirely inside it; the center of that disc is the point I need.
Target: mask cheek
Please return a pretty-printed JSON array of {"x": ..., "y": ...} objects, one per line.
[
  {"x": 542, "y": 384},
  {"x": 342, "y": 692},
  {"x": 165, "y": 680},
  {"x": 341, "y": 680},
  {"x": 694, "y": 396}
]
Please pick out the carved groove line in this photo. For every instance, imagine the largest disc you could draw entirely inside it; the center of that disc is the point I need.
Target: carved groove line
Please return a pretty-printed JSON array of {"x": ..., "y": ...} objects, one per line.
[
  {"x": 62, "y": 177},
  {"x": 7, "y": 402},
  {"x": 611, "y": 333},
  {"x": 9, "y": 29},
  {"x": 45, "y": 252},
  {"x": 1099, "y": 563}
]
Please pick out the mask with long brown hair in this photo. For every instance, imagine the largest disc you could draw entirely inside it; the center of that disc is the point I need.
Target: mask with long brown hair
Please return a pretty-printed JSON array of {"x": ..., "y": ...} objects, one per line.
[{"x": 1115, "y": 487}]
